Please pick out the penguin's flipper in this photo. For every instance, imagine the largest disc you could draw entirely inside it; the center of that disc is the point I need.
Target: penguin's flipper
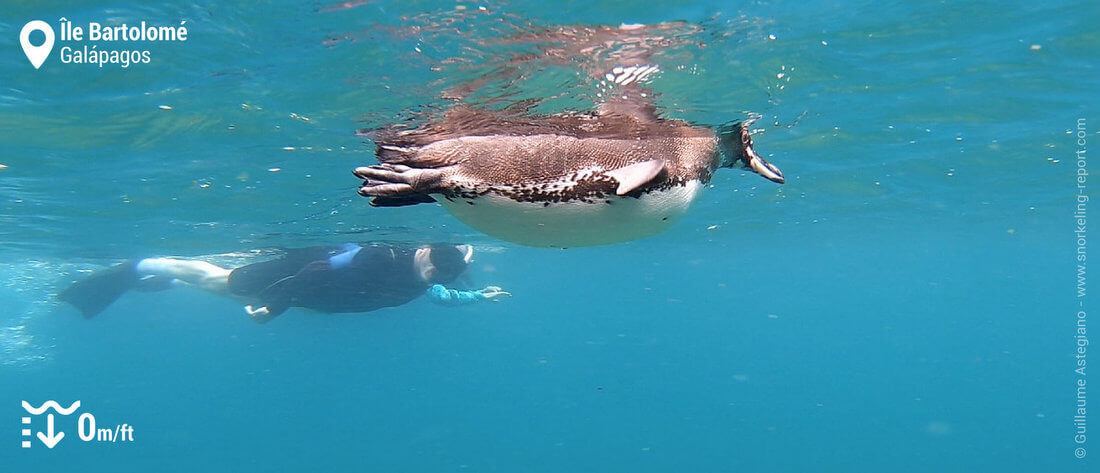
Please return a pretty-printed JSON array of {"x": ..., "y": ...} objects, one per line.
[
  {"x": 93, "y": 294},
  {"x": 636, "y": 175}
]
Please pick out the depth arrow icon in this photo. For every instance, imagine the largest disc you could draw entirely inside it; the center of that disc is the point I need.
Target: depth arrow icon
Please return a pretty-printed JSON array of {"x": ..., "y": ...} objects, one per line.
[{"x": 49, "y": 438}]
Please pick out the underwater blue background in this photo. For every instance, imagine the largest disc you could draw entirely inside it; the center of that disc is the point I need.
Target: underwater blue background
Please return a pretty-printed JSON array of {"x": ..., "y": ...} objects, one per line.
[{"x": 906, "y": 302}]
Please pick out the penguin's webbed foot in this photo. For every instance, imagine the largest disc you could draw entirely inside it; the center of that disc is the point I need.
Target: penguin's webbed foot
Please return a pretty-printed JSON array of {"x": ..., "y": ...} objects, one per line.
[{"x": 394, "y": 180}]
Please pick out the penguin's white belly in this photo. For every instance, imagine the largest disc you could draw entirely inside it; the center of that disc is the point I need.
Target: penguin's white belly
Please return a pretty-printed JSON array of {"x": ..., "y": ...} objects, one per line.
[{"x": 574, "y": 223}]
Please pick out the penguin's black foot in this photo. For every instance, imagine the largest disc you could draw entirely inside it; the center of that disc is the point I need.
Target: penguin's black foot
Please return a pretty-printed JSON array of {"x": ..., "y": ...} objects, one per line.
[
  {"x": 395, "y": 185},
  {"x": 390, "y": 180}
]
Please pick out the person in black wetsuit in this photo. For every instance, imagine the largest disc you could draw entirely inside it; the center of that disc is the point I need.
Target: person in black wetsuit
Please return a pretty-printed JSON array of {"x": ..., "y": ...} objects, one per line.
[{"x": 331, "y": 279}]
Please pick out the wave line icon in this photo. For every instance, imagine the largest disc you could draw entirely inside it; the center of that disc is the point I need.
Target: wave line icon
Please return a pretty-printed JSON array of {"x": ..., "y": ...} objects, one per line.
[{"x": 51, "y": 404}]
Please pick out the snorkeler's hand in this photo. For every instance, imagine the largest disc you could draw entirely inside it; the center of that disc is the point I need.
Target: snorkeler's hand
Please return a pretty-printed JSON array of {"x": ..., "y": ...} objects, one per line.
[
  {"x": 257, "y": 313},
  {"x": 494, "y": 293}
]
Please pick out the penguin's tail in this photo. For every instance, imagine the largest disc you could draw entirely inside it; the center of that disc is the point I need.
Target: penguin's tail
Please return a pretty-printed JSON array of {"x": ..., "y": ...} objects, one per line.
[{"x": 93, "y": 294}]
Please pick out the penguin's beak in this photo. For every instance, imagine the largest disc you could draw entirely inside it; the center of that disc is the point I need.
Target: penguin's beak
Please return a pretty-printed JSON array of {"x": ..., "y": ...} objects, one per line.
[
  {"x": 760, "y": 166},
  {"x": 735, "y": 140}
]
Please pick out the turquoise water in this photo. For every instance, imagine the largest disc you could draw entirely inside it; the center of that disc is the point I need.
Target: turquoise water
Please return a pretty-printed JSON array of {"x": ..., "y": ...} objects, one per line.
[{"x": 906, "y": 302}]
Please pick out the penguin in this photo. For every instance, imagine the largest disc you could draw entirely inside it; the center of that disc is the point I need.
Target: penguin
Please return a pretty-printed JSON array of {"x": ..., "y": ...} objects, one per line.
[
  {"x": 563, "y": 180},
  {"x": 616, "y": 173}
]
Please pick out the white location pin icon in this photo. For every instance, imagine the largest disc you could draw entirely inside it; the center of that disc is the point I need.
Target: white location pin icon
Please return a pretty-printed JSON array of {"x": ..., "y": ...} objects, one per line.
[{"x": 36, "y": 54}]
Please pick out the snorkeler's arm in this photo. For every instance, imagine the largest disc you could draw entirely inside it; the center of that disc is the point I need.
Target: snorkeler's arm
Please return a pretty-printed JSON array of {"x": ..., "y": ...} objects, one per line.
[
  {"x": 263, "y": 315},
  {"x": 441, "y": 295},
  {"x": 275, "y": 297},
  {"x": 454, "y": 297}
]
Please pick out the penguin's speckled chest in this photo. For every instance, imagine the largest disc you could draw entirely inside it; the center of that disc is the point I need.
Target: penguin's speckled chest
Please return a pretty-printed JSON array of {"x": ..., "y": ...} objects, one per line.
[
  {"x": 590, "y": 185},
  {"x": 574, "y": 222}
]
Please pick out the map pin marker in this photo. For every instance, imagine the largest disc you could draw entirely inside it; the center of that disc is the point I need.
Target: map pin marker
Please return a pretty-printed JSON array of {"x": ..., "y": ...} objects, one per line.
[{"x": 36, "y": 54}]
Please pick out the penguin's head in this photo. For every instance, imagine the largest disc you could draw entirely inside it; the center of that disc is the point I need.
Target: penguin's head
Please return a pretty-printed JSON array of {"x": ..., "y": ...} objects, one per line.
[
  {"x": 446, "y": 262},
  {"x": 735, "y": 144}
]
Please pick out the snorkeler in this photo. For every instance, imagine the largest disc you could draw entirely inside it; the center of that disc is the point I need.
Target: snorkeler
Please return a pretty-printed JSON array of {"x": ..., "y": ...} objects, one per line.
[{"x": 331, "y": 279}]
